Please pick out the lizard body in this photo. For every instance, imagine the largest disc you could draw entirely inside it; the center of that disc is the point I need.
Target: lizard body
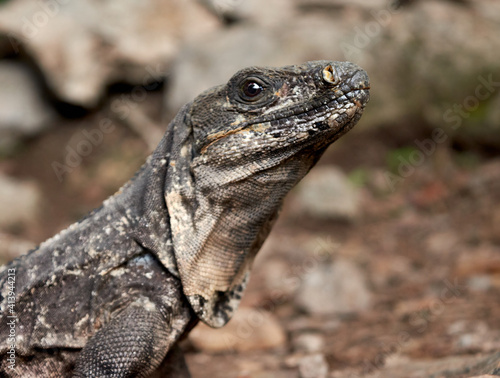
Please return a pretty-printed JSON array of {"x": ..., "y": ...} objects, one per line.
[{"x": 111, "y": 295}]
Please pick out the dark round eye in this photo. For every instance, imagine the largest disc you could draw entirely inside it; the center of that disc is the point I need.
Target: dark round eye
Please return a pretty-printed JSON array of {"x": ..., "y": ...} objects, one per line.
[{"x": 252, "y": 89}]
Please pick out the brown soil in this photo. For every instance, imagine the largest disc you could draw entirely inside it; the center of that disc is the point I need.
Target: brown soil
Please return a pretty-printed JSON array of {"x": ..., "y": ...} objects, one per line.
[{"x": 430, "y": 251}]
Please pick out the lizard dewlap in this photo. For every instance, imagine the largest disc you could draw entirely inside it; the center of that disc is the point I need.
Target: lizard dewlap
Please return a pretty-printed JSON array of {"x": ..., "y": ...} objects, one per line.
[{"x": 112, "y": 294}]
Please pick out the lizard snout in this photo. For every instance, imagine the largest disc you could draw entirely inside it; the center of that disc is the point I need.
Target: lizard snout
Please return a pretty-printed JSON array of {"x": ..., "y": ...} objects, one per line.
[{"x": 349, "y": 75}]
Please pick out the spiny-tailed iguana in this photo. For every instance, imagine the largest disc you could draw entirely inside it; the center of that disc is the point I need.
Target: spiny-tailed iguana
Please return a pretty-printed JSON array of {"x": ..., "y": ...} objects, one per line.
[{"x": 111, "y": 295}]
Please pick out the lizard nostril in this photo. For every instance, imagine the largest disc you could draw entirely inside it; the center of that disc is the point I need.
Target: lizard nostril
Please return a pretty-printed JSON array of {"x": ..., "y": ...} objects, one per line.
[{"x": 329, "y": 75}]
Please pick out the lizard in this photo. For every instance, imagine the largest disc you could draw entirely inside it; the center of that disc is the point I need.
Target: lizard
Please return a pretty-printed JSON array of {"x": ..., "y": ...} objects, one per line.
[{"x": 111, "y": 295}]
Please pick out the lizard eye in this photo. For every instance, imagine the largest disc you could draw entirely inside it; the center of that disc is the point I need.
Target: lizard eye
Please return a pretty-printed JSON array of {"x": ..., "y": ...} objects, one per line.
[{"x": 251, "y": 90}]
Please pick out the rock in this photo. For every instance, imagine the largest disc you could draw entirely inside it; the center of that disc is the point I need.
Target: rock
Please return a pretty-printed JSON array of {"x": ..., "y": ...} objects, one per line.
[
  {"x": 249, "y": 329},
  {"x": 326, "y": 193},
  {"x": 313, "y": 366},
  {"x": 11, "y": 247},
  {"x": 474, "y": 336},
  {"x": 22, "y": 110},
  {"x": 19, "y": 201},
  {"x": 334, "y": 288},
  {"x": 82, "y": 46},
  {"x": 308, "y": 342},
  {"x": 481, "y": 282},
  {"x": 240, "y": 10}
]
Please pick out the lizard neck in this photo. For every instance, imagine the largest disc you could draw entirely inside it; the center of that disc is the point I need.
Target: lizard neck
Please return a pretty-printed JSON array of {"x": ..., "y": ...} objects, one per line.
[
  {"x": 218, "y": 225},
  {"x": 142, "y": 199}
]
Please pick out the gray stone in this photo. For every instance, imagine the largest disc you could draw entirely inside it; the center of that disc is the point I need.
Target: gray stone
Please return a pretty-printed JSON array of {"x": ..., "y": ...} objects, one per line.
[
  {"x": 327, "y": 193},
  {"x": 480, "y": 282},
  {"x": 12, "y": 247},
  {"x": 336, "y": 288},
  {"x": 249, "y": 329},
  {"x": 22, "y": 110},
  {"x": 308, "y": 342},
  {"x": 313, "y": 366},
  {"x": 82, "y": 46},
  {"x": 19, "y": 202}
]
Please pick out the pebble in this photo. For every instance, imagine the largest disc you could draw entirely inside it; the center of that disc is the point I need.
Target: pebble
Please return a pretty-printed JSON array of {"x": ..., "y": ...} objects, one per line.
[
  {"x": 309, "y": 343},
  {"x": 22, "y": 109},
  {"x": 313, "y": 366},
  {"x": 12, "y": 247},
  {"x": 249, "y": 329},
  {"x": 327, "y": 193},
  {"x": 339, "y": 287},
  {"x": 19, "y": 202}
]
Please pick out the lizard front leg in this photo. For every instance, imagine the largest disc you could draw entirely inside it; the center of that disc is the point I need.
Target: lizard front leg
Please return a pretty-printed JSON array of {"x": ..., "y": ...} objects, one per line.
[{"x": 133, "y": 344}]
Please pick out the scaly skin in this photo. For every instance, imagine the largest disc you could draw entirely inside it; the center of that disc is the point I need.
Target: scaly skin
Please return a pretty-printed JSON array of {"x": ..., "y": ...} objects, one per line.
[{"x": 111, "y": 295}]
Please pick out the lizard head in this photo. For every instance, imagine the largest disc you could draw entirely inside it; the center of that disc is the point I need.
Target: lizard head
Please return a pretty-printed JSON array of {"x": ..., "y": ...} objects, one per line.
[
  {"x": 244, "y": 145},
  {"x": 262, "y": 111}
]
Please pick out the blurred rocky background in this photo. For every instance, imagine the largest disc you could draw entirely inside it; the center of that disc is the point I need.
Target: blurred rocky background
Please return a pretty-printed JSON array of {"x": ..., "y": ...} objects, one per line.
[{"x": 386, "y": 260}]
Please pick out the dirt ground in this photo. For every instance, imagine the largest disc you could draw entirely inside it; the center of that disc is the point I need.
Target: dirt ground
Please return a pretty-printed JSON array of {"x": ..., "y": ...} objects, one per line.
[{"x": 427, "y": 244}]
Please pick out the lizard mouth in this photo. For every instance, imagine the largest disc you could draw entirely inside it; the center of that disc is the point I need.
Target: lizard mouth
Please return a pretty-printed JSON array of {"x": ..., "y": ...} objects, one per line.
[
  {"x": 322, "y": 105},
  {"x": 322, "y": 114},
  {"x": 328, "y": 115}
]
